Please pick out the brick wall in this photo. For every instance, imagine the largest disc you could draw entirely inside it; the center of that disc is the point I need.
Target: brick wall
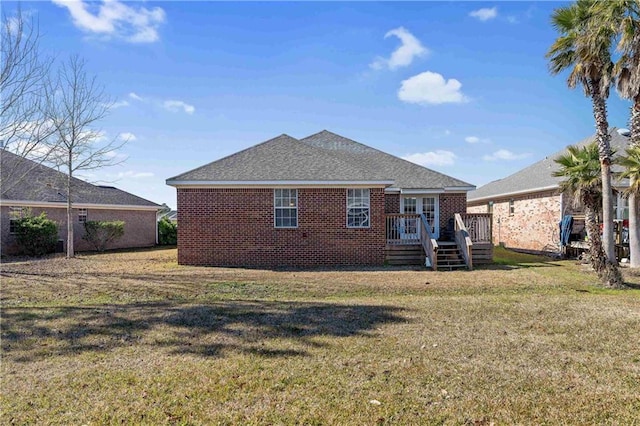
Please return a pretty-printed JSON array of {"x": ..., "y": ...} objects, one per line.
[
  {"x": 450, "y": 204},
  {"x": 533, "y": 224},
  {"x": 139, "y": 227},
  {"x": 235, "y": 227},
  {"x": 391, "y": 203}
]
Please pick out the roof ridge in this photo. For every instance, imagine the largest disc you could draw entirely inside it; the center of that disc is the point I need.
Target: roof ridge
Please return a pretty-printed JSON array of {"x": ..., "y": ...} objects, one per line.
[
  {"x": 53, "y": 175},
  {"x": 487, "y": 190},
  {"x": 283, "y": 135},
  {"x": 387, "y": 154}
]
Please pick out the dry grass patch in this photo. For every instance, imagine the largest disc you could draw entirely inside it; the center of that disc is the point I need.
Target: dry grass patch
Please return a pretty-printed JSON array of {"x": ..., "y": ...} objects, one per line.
[{"x": 135, "y": 338}]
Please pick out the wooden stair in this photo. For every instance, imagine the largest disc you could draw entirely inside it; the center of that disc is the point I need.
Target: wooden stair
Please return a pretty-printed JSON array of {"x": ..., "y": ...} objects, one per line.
[
  {"x": 449, "y": 257},
  {"x": 482, "y": 253},
  {"x": 404, "y": 254}
]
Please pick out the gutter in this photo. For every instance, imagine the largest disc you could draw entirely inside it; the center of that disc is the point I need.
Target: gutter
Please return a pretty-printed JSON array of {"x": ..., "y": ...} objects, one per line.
[
  {"x": 508, "y": 194},
  {"x": 63, "y": 205}
]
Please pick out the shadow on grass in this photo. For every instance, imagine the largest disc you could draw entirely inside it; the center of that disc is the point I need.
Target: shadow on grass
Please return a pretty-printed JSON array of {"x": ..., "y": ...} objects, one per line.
[
  {"x": 506, "y": 259},
  {"x": 273, "y": 329}
]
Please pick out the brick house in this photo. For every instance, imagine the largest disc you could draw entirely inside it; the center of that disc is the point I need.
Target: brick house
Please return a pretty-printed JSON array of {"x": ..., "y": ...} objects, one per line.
[
  {"x": 320, "y": 200},
  {"x": 527, "y": 206},
  {"x": 29, "y": 186}
]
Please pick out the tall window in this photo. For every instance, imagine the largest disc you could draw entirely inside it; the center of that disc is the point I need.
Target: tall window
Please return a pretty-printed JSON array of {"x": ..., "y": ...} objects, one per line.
[
  {"x": 15, "y": 213},
  {"x": 82, "y": 215},
  {"x": 285, "y": 204},
  {"x": 512, "y": 207},
  {"x": 358, "y": 208}
]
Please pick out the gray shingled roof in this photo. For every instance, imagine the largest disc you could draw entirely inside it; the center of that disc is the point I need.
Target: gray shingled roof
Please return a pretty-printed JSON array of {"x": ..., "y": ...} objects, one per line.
[
  {"x": 538, "y": 176},
  {"x": 323, "y": 156},
  {"x": 407, "y": 175},
  {"x": 25, "y": 180}
]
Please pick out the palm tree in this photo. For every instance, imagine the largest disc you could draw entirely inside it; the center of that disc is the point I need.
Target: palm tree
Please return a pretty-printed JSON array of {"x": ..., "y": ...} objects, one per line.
[
  {"x": 583, "y": 47},
  {"x": 583, "y": 182},
  {"x": 623, "y": 17},
  {"x": 631, "y": 164}
]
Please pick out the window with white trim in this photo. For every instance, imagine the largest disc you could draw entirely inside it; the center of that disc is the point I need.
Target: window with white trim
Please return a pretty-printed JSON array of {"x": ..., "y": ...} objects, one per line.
[
  {"x": 82, "y": 215},
  {"x": 15, "y": 213},
  {"x": 358, "y": 208},
  {"x": 512, "y": 207},
  {"x": 285, "y": 208}
]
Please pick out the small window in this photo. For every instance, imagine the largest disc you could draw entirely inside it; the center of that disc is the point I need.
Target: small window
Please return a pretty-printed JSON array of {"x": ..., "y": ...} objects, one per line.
[
  {"x": 512, "y": 208},
  {"x": 490, "y": 207},
  {"x": 285, "y": 202},
  {"x": 15, "y": 213},
  {"x": 358, "y": 208},
  {"x": 82, "y": 215}
]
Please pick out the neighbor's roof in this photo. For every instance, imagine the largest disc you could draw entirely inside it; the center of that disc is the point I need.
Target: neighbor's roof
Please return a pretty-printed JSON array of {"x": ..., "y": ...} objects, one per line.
[
  {"x": 26, "y": 180},
  {"x": 538, "y": 176},
  {"x": 322, "y": 157}
]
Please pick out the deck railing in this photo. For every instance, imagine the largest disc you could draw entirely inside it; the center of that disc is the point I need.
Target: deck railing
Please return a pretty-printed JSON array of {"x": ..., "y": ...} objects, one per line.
[
  {"x": 429, "y": 243},
  {"x": 403, "y": 229},
  {"x": 479, "y": 226},
  {"x": 463, "y": 241}
]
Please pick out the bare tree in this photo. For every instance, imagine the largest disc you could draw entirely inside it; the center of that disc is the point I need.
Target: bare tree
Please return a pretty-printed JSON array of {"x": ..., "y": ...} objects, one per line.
[
  {"x": 24, "y": 70},
  {"x": 75, "y": 105}
]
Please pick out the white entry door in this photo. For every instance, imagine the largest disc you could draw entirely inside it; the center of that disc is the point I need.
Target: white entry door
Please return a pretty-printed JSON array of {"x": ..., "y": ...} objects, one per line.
[{"x": 427, "y": 205}]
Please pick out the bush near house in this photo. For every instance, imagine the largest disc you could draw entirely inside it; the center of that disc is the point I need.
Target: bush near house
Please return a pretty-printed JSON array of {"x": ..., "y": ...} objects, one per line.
[
  {"x": 36, "y": 235},
  {"x": 101, "y": 233},
  {"x": 167, "y": 232}
]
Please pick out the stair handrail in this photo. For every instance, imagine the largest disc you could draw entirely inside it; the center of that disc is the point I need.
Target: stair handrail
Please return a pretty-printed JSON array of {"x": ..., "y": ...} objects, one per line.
[
  {"x": 429, "y": 242},
  {"x": 463, "y": 241}
]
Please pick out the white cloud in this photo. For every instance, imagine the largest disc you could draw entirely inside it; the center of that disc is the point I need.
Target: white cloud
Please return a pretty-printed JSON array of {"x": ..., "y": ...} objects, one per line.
[
  {"x": 484, "y": 14},
  {"x": 113, "y": 18},
  {"x": 169, "y": 104},
  {"x": 175, "y": 106},
  {"x": 410, "y": 49},
  {"x": 431, "y": 88},
  {"x": 134, "y": 175},
  {"x": 472, "y": 139},
  {"x": 127, "y": 136},
  {"x": 506, "y": 155},
  {"x": 119, "y": 104},
  {"x": 432, "y": 158},
  {"x": 13, "y": 25},
  {"x": 475, "y": 139}
]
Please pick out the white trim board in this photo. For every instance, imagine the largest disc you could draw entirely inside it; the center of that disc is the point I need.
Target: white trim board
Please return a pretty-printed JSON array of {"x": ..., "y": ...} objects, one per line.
[
  {"x": 63, "y": 205},
  {"x": 279, "y": 184}
]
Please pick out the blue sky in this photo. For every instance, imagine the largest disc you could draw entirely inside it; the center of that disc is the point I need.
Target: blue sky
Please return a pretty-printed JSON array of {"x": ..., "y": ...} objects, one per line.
[{"x": 460, "y": 87}]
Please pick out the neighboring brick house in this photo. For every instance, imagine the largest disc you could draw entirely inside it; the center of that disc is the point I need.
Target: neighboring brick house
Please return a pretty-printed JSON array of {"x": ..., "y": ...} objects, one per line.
[
  {"x": 29, "y": 186},
  {"x": 527, "y": 206},
  {"x": 320, "y": 200}
]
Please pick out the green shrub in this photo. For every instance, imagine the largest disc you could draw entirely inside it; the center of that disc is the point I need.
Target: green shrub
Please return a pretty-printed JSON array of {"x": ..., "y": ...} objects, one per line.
[
  {"x": 36, "y": 235},
  {"x": 100, "y": 233},
  {"x": 167, "y": 232}
]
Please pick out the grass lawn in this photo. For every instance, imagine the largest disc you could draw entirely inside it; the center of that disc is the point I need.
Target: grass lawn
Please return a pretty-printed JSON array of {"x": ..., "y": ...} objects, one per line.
[{"x": 134, "y": 338}]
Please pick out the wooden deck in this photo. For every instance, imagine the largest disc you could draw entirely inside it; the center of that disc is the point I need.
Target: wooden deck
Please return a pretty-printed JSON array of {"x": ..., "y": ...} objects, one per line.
[{"x": 406, "y": 245}]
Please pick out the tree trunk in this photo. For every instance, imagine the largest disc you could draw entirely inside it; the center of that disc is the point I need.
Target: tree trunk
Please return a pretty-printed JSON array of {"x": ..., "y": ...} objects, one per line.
[
  {"x": 70, "y": 249},
  {"x": 634, "y": 231},
  {"x": 634, "y": 213},
  {"x": 608, "y": 272},
  {"x": 604, "y": 149}
]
